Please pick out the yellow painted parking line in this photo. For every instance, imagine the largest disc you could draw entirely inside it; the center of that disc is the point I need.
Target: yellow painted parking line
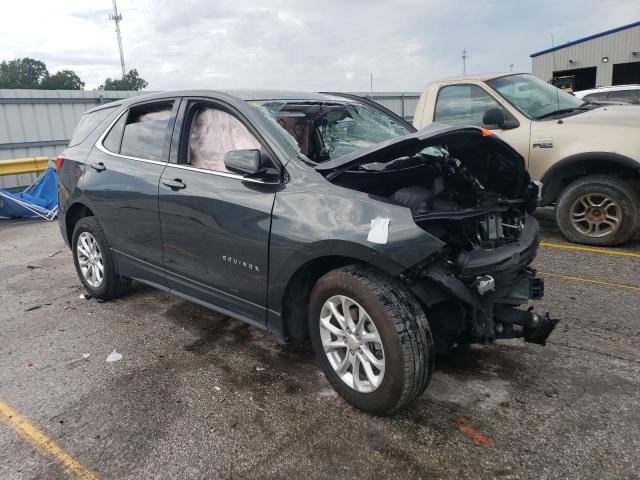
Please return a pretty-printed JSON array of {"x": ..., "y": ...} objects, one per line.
[
  {"x": 40, "y": 440},
  {"x": 579, "y": 248},
  {"x": 590, "y": 280}
]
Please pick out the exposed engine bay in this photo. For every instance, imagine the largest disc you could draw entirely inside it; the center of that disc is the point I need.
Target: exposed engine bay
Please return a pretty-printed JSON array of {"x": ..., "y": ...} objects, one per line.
[{"x": 444, "y": 197}]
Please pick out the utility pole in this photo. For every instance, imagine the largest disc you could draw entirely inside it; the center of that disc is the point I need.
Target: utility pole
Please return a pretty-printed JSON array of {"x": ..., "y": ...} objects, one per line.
[
  {"x": 511, "y": 67},
  {"x": 464, "y": 60},
  {"x": 371, "y": 85},
  {"x": 116, "y": 18}
]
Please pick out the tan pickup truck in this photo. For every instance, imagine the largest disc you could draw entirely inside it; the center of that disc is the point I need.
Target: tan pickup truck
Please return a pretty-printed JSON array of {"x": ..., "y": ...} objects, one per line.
[{"x": 586, "y": 155}]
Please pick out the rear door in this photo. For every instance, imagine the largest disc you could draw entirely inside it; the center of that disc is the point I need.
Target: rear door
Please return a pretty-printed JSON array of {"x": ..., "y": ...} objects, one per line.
[
  {"x": 121, "y": 186},
  {"x": 215, "y": 223}
]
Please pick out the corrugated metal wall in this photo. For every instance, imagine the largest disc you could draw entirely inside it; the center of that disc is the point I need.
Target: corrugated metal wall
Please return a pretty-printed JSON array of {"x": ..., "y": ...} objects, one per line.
[
  {"x": 36, "y": 123},
  {"x": 618, "y": 46},
  {"x": 400, "y": 103}
]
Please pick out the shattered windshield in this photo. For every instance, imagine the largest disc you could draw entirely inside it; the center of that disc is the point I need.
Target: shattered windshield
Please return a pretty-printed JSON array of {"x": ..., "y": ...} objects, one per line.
[
  {"x": 535, "y": 98},
  {"x": 326, "y": 130}
]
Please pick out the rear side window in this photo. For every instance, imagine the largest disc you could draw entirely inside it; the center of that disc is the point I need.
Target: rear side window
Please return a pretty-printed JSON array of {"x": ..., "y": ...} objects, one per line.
[
  {"x": 145, "y": 132},
  {"x": 141, "y": 132},
  {"x": 88, "y": 123}
]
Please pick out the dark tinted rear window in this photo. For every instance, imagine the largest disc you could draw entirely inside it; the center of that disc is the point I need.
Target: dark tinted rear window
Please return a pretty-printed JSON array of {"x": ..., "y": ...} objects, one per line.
[
  {"x": 145, "y": 131},
  {"x": 88, "y": 123}
]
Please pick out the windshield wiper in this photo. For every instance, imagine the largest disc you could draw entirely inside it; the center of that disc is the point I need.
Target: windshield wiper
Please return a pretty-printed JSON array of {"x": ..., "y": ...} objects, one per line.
[{"x": 560, "y": 111}]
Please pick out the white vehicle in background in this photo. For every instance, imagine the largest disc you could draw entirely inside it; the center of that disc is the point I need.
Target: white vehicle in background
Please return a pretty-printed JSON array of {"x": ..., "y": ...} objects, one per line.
[{"x": 616, "y": 94}]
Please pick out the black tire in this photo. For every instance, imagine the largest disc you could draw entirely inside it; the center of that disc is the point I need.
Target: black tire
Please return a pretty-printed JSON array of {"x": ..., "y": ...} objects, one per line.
[
  {"x": 113, "y": 285},
  {"x": 403, "y": 328},
  {"x": 614, "y": 188}
]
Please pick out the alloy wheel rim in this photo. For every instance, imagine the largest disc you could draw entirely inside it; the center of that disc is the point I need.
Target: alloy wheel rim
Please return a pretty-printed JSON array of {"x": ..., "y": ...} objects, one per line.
[
  {"x": 595, "y": 215},
  {"x": 352, "y": 344},
  {"x": 90, "y": 259}
]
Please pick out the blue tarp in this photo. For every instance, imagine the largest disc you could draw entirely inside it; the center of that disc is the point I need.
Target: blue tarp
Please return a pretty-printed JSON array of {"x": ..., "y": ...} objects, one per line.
[{"x": 39, "y": 200}]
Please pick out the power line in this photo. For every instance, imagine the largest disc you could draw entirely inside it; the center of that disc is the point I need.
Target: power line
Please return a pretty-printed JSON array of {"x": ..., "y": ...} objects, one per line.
[{"x": 117, "y": 18}]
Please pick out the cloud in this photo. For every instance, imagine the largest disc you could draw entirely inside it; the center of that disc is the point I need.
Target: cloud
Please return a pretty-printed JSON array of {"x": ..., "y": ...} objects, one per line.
[{"x": 302, "y": 44}]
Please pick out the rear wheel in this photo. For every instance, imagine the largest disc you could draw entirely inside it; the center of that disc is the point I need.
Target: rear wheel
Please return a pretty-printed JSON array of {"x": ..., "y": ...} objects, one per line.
[
  {"x": 94, "y": 262},
  {"x": 598, "y": 210},
  {"x": 371, "y": 338}
]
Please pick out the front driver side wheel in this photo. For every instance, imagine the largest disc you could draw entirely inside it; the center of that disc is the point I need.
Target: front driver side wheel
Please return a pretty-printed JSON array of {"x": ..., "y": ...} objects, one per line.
[
  {"x": 598, "y": 210},
  {"x": 371, "y": 339}
]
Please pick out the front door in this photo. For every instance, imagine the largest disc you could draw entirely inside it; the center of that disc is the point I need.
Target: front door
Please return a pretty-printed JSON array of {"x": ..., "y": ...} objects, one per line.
[
  {"x": 215, "y": 223},
  {"x": 121, "y": 186},
  {"x": 466, "y": 103}
]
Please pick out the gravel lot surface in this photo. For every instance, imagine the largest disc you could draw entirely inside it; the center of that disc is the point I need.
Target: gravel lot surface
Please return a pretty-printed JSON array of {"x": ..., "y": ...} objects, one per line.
[{"x": 198, "y": 395}]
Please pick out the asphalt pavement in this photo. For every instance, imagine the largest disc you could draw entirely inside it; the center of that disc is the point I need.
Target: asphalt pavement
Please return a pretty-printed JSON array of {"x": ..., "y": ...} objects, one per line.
[{"x": 198, "y": 395}]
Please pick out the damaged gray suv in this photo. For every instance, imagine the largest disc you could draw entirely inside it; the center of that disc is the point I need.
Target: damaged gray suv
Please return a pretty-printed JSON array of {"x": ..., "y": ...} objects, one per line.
[{"x": 321, "y": 216}]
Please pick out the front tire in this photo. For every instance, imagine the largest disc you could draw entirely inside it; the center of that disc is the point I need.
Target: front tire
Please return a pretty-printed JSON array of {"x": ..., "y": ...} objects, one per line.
[
  {"x": 371, "y": 338},
  {"x": 94, "y": 262},
  {"x": 598, "y": 210}
]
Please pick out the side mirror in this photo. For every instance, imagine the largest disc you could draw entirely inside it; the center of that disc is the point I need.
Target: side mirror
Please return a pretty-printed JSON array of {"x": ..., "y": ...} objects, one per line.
[
  {"x": 245, "y": 162},
  {"x": 501, "y": 118},
  {"x": 493, "y": 116}
]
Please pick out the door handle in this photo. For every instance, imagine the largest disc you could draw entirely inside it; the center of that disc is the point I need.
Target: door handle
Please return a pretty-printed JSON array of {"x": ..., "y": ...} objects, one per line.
[
  {"x": 98, "y": 166},
  {"x": 175, "y": 184}
]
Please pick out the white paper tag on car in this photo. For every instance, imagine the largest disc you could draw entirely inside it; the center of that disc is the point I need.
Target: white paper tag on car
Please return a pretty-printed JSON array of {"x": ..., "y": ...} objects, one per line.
[{"x": 379, "y": 232}]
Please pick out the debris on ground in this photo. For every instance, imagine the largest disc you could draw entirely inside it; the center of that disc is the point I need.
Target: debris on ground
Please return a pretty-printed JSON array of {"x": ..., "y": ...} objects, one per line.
[
  {"x": 85, "y": 296},
  {"x": 114, "y": 357},
  {"x": 33, "y": 267},
  {"x": 33, "y": 307},
  {"x": 86, "y": 356},
  {"x": 55, "y": 253},
  {"x": 476, "y": 436}
]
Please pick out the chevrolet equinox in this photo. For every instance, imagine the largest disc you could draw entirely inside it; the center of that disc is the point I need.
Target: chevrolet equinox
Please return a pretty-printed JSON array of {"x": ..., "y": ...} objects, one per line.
[{"x": 320, "y": 216}]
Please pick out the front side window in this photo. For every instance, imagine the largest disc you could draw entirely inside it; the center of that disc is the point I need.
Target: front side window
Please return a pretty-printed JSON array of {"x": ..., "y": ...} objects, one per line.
[
  {"x": 533, "y": 97},
  {"x": 623, "y": 96},
  {"x": 213, "y": 133},
  {"x": 143, "y": 134},
  {"x": 463, "y": 105},
  {"x": 595, "y": 97}
]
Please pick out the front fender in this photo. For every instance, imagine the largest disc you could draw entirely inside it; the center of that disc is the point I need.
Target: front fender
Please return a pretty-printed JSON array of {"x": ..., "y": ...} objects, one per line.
[
  {"x": 306, "y": 227},
  {"x": 580, "y": 164}
]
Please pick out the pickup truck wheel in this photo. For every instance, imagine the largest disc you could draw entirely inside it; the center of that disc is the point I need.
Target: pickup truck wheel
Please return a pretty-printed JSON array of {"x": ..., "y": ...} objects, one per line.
[
  {"x": 371, "y": 338},
  {"x": 94, "y": 262},
  {"x": 598, "y": 210}
]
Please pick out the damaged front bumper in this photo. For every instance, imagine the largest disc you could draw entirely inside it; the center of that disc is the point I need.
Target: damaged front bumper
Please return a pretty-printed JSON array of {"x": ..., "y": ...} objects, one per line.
[{"x": 487, "y": 285}]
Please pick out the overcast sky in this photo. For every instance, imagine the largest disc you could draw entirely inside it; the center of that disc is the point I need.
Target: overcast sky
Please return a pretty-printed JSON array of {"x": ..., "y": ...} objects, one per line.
[{"x": 297, "y": 44}]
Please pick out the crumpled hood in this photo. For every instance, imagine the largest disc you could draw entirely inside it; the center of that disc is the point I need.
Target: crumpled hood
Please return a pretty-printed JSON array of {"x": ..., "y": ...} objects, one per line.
[{"x": 497, "y": 166}]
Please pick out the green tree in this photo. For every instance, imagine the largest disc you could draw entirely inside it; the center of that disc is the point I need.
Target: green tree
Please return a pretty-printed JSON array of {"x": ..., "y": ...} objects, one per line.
[
  {"x": 22, "y": 73},
  {"x": 63, "y": 80},
  {"x": 131, "y": 81}
]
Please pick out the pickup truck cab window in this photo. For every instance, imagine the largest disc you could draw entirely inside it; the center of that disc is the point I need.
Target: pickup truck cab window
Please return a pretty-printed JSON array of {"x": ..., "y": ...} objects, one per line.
[{"x": 463, "y": 105}]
